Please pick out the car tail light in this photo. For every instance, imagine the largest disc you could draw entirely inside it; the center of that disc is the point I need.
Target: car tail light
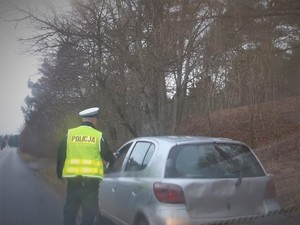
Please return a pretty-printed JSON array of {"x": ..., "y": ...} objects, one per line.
[
  {"x": 168, "y": 193},
  {"x": 270, "y": 190}
]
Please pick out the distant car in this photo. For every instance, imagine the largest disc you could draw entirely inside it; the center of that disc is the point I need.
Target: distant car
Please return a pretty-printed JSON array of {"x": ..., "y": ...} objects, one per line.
[{"x": 181, "y": 180}]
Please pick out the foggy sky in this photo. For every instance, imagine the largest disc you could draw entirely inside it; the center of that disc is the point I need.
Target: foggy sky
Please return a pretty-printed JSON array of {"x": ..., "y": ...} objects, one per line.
[{"x": 16, "y": 68}]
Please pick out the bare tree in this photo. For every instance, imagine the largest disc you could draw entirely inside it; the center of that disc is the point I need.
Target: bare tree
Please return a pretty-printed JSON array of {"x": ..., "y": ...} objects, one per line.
[{"x": 142, "y": 61}]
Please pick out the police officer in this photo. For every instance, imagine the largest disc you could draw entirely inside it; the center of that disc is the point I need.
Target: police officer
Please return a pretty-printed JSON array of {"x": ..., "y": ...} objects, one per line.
[{"x": 79, "y": 161}]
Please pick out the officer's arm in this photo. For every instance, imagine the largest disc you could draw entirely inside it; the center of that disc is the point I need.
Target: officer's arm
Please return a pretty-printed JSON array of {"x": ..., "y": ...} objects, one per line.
[
  {"x": 106, "y": 154},
  {"x": 61, "y": 157}
]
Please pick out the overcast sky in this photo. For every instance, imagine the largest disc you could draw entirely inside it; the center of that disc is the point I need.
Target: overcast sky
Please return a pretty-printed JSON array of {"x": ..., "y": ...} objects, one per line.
[{"x": 16, "y": 68}]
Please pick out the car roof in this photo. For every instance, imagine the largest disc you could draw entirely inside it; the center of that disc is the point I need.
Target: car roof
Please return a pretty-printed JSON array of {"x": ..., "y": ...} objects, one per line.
[{"x": 187, "y": 139}]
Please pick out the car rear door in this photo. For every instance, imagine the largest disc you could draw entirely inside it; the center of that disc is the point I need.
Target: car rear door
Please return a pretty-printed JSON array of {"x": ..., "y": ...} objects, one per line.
[{"x": 129, "y": 187}]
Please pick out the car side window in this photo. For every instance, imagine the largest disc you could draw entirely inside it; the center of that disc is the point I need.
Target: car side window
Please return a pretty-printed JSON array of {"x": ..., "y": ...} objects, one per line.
[
  {"x": 120, "y": 154},
  {"x": 140, "y": 156}
]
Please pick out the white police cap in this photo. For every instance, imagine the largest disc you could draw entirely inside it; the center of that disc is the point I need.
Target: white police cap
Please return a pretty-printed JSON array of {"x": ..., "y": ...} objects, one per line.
[{"x": 90, "y": 112}]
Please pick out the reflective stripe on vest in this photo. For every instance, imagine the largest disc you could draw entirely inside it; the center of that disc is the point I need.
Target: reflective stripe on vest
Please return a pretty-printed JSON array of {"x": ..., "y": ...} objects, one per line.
[{"x": 83, "y": 157}]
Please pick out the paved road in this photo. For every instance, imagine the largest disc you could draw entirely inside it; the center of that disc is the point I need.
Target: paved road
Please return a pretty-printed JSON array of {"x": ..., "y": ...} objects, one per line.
[{"x": 24, "y": 198}]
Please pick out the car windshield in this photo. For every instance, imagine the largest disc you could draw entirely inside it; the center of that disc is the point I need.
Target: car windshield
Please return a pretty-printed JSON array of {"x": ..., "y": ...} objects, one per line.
[{"x": 211, "y": 160}]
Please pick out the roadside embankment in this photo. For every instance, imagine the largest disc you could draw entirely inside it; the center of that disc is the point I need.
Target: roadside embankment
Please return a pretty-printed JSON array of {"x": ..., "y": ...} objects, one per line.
[{"x": 46, "y": 169}]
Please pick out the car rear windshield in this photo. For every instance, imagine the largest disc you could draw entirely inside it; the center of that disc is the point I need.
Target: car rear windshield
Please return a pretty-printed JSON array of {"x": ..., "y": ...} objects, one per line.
[{"x": 212, "y": 160}]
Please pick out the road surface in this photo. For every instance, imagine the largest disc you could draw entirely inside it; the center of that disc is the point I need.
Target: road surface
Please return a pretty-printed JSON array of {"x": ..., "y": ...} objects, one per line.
[{"x": 24, "y": 198}]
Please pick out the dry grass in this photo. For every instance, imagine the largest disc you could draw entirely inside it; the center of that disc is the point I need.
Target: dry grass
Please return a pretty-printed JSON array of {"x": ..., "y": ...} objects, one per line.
[{"x": 268, "y": 122}]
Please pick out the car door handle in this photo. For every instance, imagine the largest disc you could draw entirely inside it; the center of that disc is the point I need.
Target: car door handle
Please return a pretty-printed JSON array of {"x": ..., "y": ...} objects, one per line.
[
  {"x": 113, "y": 189},
  {"x": 135, "y": 191}
]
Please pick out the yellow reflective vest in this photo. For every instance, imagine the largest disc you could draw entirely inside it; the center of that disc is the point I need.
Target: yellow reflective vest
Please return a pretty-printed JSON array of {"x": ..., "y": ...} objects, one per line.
[{"x": 83, "y": 153}]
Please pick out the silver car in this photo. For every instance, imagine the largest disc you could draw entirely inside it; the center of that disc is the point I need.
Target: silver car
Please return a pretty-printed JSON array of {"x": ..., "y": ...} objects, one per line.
[{"x": 183, "y": 180}]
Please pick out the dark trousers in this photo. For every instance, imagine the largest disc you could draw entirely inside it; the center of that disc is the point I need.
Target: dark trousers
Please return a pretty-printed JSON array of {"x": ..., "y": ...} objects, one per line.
[{"x": 81, "y": 193}]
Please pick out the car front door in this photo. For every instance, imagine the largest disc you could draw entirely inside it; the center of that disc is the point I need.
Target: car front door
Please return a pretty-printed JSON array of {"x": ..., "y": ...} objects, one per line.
[{"x": 107, "y": 197}]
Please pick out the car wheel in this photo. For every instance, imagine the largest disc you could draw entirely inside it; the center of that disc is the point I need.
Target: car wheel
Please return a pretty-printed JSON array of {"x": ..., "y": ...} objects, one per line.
[{"x": 143, "y": 222}]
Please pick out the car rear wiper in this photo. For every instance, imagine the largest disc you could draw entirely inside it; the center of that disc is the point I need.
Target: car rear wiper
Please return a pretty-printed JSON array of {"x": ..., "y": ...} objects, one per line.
[{"x": 228, "y": 158}]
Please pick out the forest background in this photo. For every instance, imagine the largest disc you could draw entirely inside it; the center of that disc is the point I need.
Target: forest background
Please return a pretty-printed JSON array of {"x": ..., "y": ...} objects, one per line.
[
  {"x": 166, "y": 67},
  {"x": 151, "y": 65}
]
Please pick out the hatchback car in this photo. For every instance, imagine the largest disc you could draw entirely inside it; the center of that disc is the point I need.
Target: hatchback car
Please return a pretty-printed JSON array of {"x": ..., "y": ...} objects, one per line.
[{"x": 183, "y": 180}]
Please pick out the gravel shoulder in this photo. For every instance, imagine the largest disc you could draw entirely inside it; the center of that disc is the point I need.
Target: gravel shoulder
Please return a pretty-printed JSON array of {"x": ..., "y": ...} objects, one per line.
[{"x": 46, "y": 169}]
